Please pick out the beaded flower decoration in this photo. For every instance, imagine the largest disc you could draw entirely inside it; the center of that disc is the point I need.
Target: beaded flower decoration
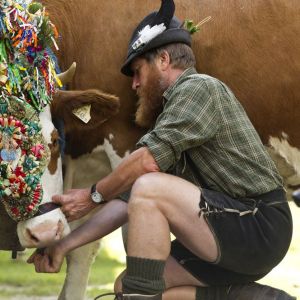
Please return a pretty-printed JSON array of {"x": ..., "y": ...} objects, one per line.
[{"x": 27, "y": 82}]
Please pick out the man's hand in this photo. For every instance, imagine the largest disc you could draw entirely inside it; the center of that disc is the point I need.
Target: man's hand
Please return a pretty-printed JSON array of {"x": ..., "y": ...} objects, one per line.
[
  {"x": 47, "y": 261},
  {"x": 75, "y": 203}
]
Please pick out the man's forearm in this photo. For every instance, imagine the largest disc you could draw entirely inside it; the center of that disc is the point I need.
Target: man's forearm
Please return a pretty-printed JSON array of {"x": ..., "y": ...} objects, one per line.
[
  {"x": 110, "y": 217},
  {"x": 121, "y": 179}
]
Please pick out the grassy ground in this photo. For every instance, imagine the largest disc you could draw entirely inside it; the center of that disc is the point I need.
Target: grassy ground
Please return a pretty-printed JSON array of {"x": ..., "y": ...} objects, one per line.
[{"x": 18, "y": 281}]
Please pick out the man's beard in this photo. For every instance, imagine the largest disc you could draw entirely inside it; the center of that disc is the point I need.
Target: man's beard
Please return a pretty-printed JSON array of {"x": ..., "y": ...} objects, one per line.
[{"x": 150, "y": 103}]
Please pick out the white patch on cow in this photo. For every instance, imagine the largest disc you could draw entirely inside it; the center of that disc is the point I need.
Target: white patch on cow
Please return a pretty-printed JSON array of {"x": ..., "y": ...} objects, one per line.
[
  {"x": 111, "y": 136},
  {"x": 52, "y": 183},
  {"x": 284, "y": 149},
  {"x": 85, "y": 170},
  {"x": 287, "y": 160},
  {"x": 114, "y": 158},
  {"x": 47, "y": 125},
  {"x": 93, "y": 166},
  {"x": 45, "y": 229}
]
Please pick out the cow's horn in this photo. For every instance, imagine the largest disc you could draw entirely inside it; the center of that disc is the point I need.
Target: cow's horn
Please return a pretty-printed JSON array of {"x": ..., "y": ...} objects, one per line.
[
  {"x": 165, "y": 13},
  {"x": 68, "y": 75}
]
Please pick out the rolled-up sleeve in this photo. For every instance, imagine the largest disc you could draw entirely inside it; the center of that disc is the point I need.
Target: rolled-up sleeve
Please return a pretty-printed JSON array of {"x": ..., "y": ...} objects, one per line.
[
  {"x": 124, "y": 196},
  {"x": 189, "y": 119}
]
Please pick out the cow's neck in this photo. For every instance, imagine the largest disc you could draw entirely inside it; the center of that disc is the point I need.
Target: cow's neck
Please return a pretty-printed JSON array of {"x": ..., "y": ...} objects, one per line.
[{"x": 52, "y": 182}]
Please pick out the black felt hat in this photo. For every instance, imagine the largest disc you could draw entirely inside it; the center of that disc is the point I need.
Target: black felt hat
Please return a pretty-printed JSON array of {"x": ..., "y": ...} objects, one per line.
[{"x": 155, "y": 30}]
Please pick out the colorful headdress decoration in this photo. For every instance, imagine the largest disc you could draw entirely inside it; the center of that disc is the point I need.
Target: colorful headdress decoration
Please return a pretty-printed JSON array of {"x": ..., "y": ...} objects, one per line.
[{"x": 27, "y": 82}]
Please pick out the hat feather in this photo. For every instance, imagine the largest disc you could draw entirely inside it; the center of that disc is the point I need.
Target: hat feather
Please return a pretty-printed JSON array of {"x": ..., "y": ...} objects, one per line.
[
  {"x": 165, "y": 13},
  {"x": 147, "y": 34}
]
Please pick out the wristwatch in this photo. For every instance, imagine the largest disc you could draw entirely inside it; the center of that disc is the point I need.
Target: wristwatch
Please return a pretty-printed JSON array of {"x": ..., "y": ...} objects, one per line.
[{"x": 96, "y": 196}]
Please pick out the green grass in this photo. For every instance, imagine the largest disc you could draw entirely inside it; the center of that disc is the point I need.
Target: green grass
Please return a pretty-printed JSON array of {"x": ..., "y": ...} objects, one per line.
[{"x": 19, "y": 278}]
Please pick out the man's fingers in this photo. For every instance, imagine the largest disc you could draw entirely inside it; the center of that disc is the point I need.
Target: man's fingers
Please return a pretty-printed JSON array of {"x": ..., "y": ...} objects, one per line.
[
  {"x": 37, "y": 252},
  {"x": 57, "y": 199},
  {"x": 45, "y": 264},
  {"x": 30, "y": 260},
  {"x": 37, "y": 262},
  {"x": 42, "y": 264}
]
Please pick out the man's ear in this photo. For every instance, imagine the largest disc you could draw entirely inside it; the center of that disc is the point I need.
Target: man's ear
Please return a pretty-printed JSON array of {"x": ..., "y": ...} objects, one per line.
[{"x": 164, "y": 60}]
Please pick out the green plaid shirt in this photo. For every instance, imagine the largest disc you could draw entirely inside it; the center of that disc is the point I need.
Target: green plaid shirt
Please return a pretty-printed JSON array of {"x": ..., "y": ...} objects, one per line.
[{"x": 204, "y": 136}]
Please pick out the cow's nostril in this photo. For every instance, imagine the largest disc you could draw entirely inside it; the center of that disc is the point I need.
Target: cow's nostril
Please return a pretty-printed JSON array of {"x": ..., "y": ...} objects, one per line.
[{"x": 32, "y": 236}]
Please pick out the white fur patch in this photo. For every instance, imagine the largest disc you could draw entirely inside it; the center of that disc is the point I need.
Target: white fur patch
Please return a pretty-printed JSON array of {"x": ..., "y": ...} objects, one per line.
[
  {"x": 114, "y": 158},
  {"x": 93, "y": 166},
  {"x": 284, "y": 149},
  {"x": 47, "y": 125}
]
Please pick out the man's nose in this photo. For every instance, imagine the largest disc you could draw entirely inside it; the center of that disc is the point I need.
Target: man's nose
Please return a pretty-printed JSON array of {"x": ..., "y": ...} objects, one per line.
[{"x": 135, "y": 83}]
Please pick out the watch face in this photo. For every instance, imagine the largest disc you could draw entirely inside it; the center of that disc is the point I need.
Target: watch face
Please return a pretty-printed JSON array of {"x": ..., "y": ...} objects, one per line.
[{"x": 96, "y": 197}]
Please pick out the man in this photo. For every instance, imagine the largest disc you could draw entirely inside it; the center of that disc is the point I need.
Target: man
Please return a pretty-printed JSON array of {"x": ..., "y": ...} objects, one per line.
[{"x": 201, "y": 172}]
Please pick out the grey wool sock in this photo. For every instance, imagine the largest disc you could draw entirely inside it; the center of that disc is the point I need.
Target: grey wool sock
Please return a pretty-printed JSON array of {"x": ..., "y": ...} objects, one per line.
[{"x": 144, "y": 276}]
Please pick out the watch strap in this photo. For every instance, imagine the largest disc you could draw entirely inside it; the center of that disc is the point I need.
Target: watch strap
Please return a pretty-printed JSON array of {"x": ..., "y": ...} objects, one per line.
[{"x": 94, "y": 190}]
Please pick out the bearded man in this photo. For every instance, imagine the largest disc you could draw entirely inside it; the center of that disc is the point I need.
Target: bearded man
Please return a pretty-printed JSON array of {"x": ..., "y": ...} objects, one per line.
[{"x": 201, "y": 173}]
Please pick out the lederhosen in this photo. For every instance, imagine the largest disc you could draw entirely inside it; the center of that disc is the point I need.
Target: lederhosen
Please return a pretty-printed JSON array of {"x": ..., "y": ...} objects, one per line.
[{"x": 253, "y": 235}]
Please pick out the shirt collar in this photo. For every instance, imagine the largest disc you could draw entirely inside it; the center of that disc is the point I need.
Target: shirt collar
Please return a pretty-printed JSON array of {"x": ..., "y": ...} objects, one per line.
[{"x": 178, "y": 81}]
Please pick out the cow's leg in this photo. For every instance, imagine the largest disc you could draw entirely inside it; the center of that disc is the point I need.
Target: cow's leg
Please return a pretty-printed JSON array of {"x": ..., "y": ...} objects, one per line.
[
  {"x": 69, "y": 173},
  {"x": 79, "y": 173},
  {"x": 79, "y": 262}
]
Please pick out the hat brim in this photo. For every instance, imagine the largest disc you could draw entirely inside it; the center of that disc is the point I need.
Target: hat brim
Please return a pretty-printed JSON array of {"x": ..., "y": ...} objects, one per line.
[{"x": 170, "y": 36}]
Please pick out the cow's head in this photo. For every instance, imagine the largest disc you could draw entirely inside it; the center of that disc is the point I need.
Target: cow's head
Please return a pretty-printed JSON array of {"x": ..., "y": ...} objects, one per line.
[
  {"x": 49, "y": 223},
  {"x": 46, "y": 228},
  {"x": 27, "y": 83}
]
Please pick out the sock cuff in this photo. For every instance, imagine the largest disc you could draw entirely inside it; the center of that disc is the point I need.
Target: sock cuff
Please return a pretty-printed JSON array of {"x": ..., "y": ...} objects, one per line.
[{"x": 150, "y": 269}]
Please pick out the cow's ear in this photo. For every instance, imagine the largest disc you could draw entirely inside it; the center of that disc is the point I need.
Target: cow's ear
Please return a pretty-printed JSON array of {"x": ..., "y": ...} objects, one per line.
[{"x": 87, "y": 108}]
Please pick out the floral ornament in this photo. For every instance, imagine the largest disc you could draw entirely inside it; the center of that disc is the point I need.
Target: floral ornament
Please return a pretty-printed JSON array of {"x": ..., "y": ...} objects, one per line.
[
  {"x": 24, "y": 155},
  {"x": 26, "y": 68},
  {"x": 191, "y": 27},
  {"x": 27, "y": 83},
  {"x": 3, "y": 73}
]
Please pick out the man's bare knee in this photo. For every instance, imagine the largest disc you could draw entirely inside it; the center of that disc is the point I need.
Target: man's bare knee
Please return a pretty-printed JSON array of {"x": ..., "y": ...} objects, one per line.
[
  {"x": 141, "y": 204},
  {"x": 147, "y": 185}
]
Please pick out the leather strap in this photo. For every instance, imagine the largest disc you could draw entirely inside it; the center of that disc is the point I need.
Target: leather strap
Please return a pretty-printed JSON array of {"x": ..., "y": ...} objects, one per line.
[{"x": 46, "y": 207}]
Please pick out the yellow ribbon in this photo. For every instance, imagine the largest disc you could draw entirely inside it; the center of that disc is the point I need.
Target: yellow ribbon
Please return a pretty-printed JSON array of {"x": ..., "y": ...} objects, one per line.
[{"x": 3, "y": 73}]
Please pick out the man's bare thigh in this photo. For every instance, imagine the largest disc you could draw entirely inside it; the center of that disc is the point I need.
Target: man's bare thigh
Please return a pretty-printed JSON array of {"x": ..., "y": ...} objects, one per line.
[{"x": 179, "y": 200}]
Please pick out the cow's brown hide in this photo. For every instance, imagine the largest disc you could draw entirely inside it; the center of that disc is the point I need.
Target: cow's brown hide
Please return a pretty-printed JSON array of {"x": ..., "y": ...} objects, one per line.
[
  {"x": 8, "y": 232},
  {"x": 250, "y": 45},
  {"x": 103, "y": 107},
  {"x": 55, "y": 152}
]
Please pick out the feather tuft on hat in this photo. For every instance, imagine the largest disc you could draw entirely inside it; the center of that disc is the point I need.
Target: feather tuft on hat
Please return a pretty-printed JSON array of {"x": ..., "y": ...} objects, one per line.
[{"x": 147, "y": 34}]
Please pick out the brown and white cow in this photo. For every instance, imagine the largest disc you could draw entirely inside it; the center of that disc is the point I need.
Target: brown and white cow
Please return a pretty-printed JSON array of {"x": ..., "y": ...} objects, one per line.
[{"x": 253, "y": 46}]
